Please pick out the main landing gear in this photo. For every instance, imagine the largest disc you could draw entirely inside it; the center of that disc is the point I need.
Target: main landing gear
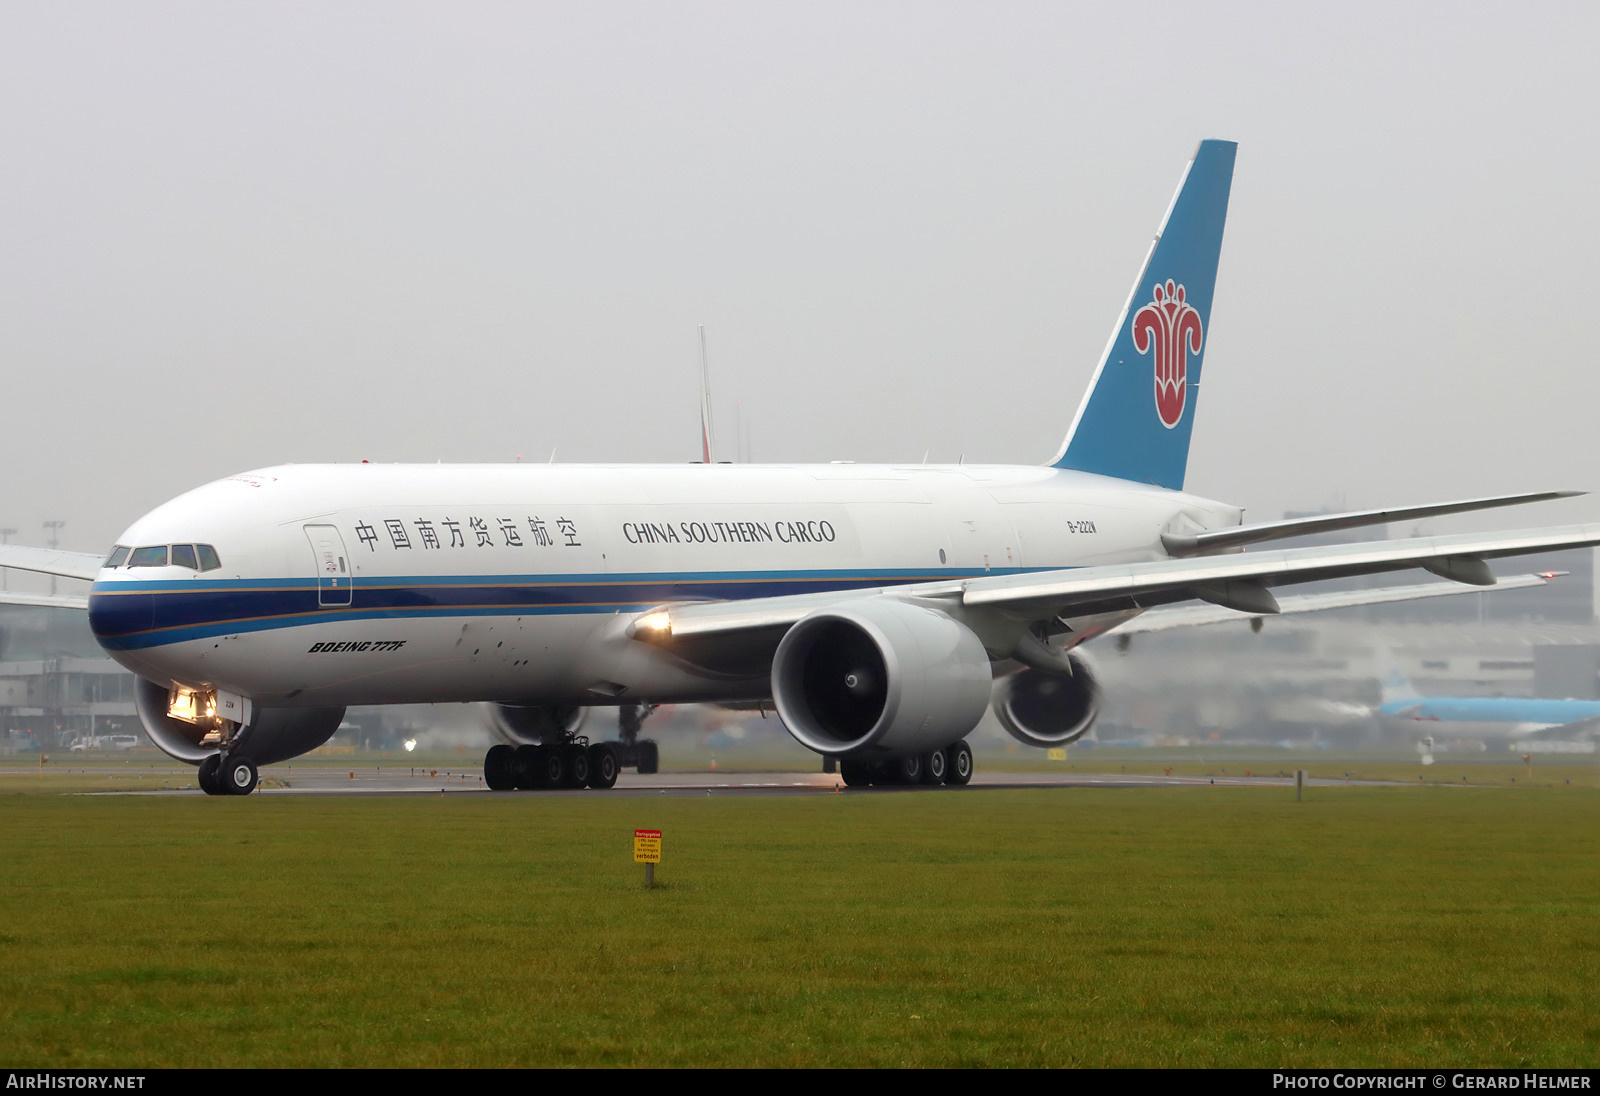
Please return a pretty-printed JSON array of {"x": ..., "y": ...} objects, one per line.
[
  {"x": 570, "y": 764},
  {"x": 951, "y": 765},
  {"x": 574, "y": 762},
  {"x": 634, "y": 752},
  {"x": 221, "y": 775}
]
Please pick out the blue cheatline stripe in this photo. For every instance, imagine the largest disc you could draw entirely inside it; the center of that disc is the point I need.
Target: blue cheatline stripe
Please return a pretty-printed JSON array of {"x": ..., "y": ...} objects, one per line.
[
  {"x": 163, "y": 637},
  {"x": 134, "y": 615},
  {"x": 903, "y": 574}
]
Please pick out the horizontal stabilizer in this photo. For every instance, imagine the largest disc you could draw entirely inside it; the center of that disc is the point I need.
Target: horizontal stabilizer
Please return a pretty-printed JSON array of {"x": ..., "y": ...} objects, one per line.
[
  {"x": 1217, "y": 540},
  {"x": 52, "y": 561}
]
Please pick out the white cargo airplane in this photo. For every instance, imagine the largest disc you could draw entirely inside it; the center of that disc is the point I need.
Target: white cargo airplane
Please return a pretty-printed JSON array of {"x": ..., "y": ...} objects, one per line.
[{"x": 881, "y": 609}]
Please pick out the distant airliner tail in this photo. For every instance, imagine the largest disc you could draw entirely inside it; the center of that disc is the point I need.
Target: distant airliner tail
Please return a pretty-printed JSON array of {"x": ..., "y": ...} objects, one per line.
[
  {"x": 1135, "y": 421},
  {"x": 1395, "y": 686}
]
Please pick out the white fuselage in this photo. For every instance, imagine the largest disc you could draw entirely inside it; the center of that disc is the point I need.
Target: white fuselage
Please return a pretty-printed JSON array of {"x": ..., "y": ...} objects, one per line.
[{"x": 383, "y": 584}]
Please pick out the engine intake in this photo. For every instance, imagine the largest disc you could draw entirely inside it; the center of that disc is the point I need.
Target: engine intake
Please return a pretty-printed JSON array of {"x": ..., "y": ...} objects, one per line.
[
  {"x": 882, "y": 677},
  {"x": 274, "y": 734},
  {"x": 1043, "y": 709}
]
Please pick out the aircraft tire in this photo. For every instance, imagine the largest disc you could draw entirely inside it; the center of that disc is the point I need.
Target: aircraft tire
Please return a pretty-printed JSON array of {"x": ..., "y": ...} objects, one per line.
[
  {"x": 577, "y": 761},
  {"x": 905, "y": 769},
  {"x": 958, "y": 763},
  {"x": 525, "y": 767},
  {"x": 239, "y": 776},
  {"x": 497, "y": 768},
  {"x": 934, "y": 766},
  {"x": 551, "y": 768},
  {"x": 649, "y": 757},
  {"x": 603, "y": 765},
  {"x": 208, "y": 776},
  {"x": 856, "y": 774}
]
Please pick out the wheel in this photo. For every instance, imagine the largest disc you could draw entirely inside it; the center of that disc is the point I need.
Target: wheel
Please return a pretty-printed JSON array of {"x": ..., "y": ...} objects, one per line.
[
  {"x": 577, "y": 759},
  {"x": 208, "y": 776},
  {"x": 933, "y": 767},
  {"x": 239, "y": 775},
  {"x": 958, "y": 763},
  {"x": 856, "y": 774},
  {"x": 906, "y": 769},
  {"x": 603, "y": 766},
  {"x": 498, "y": 766},
  {"x": 552, "y": 767},
  {"x": 525, "y": 767},
  {"x": 649, "y": 757}
]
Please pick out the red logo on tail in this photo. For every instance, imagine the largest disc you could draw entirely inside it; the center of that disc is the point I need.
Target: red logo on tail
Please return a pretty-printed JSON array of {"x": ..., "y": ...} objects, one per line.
[{"x": 1170, "y": 326}]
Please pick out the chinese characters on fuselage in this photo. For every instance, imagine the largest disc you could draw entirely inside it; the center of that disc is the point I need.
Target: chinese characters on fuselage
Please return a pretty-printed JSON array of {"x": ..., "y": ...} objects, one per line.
[{"x": 499, "y": 532}]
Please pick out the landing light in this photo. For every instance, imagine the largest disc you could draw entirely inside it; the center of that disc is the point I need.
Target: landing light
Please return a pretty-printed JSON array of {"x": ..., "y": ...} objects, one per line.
[
  {"x": 658, "y": 621},
  {"x": 188, "y": 705},
  {"x": 411, "y": 744}
]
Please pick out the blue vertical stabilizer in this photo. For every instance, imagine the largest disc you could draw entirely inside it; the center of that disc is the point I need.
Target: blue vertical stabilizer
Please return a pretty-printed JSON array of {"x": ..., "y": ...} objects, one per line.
[{"x": 1135, "y": 421}]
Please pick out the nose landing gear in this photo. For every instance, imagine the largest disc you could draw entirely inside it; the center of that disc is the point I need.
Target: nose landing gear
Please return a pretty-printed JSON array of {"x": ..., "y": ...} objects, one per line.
[
  {"x": 240, "y": 775},
  {"x": 220, "y": 775},
  {"x": 208, "y": 775}
]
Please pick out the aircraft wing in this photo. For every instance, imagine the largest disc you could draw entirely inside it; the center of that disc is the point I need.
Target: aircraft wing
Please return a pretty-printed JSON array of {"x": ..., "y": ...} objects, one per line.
[
  {"x": 1579, "y": 730},
  {"x": 1220, "y": 540},
  {"x": 1189, "y": 616},
  {"x": 1242, "y": 579},
  {"x": 51, "y": 561},
  {"x": 1239, "y": 581},
  {"x": 48, "y": 601}
]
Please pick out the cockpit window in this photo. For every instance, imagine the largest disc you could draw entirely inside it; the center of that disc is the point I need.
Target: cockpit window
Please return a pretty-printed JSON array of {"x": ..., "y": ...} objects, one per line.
[
  {"x": 155, "y": 556},
  {"x": 196, "y": 557}
]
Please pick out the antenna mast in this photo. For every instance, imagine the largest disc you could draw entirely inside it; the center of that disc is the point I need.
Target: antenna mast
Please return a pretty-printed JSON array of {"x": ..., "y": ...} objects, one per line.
[{"x": 708, "y": 444}]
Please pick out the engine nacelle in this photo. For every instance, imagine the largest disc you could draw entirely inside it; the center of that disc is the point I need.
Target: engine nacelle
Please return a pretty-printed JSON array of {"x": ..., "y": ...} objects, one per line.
[
  {"x": 534, "y": 724},
  {"x": 881, "y": 678},
  {"x": 274, "y": 734},
  {"x": 1043, "y": 709}
]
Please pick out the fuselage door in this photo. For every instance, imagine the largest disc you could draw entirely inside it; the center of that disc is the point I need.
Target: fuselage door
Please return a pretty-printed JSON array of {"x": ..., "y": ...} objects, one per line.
[{"x": 333, "y": 565}]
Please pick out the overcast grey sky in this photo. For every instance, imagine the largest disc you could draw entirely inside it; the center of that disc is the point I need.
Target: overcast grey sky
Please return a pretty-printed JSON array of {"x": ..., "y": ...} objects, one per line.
[{"x": 236, "y": 235}]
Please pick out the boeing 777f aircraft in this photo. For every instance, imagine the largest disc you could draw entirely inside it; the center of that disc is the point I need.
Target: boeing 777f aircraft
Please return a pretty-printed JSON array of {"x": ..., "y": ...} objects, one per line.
[{"x": 880, "y": 609}]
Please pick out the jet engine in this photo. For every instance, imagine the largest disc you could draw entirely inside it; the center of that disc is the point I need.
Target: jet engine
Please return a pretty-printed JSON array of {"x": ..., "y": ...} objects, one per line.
[
  {"x": 534, "y": 724},
  {"x": 880, "y": 678},
  {"x": 1044, "y": 709},
  {"x": 274, "y": 734}
]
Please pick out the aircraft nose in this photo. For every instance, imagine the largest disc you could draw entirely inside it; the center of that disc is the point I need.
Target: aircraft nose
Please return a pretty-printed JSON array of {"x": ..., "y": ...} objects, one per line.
[{"x": 115, "y": 616}]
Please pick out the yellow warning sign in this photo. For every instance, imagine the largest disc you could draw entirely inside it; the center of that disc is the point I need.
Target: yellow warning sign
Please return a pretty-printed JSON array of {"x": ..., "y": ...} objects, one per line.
[
  {"x": 1058, "y": 754},
  {"x": 647, "y": 846}
]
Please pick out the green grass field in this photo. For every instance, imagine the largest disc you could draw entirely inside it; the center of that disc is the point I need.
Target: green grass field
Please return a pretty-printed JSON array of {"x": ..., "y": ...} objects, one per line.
[{"x": 1186, "y": 926}]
